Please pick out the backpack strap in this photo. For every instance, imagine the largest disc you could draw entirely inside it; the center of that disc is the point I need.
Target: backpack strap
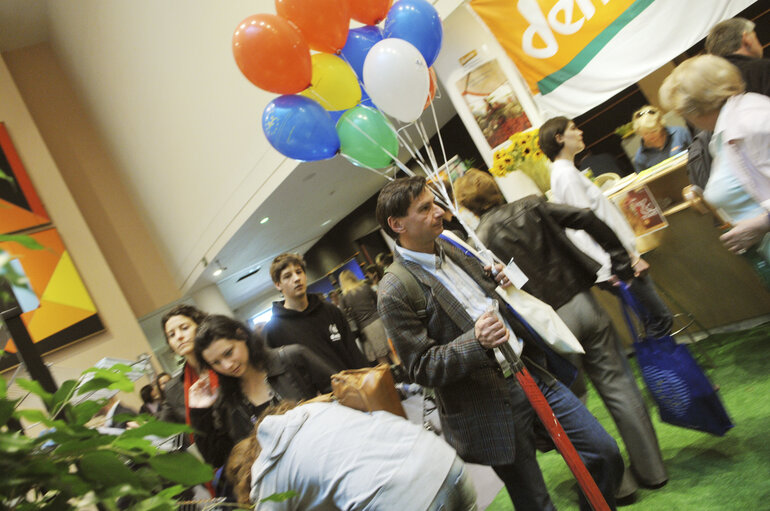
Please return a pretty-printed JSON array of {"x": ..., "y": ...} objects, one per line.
[{"x": 412, "y": 286}]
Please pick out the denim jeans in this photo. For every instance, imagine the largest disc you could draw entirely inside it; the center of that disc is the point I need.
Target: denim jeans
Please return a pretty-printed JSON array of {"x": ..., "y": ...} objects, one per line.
[
  {"x": 457, "y": 492},
  {"x": 597, "y": 449}
]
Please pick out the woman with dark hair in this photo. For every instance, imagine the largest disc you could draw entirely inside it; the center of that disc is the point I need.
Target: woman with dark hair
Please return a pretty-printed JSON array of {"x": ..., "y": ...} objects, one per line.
[
  {"x": 179, "y": 326},
  {"x": 150, "y": 400},
  {"x": 251, "y": 377},
  {"x": 561, "y": 141}
]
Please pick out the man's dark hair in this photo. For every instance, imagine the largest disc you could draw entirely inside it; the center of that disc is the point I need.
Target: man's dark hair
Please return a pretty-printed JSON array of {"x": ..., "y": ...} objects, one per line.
[
  {"x": 547, "y": 136},
  {"x": 282, "y": 262},
  {"x": 216, "y": 327},
  {"x": 727, "y": 36},
  {"x": 395, "y": 198},
  {"x": 189, "y": 311}
]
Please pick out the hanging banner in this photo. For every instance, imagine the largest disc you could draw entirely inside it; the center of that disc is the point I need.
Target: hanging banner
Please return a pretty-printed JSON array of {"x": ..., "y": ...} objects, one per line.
[{"x": 575, "y": 54}]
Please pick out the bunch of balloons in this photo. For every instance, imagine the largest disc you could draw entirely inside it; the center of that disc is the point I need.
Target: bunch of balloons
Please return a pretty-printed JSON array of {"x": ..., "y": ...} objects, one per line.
[{"x": 333, "y": 100}]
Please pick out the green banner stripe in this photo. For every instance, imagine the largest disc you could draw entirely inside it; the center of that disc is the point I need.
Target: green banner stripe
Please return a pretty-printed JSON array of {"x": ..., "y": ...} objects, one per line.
[{"x": 573, "y": 67}]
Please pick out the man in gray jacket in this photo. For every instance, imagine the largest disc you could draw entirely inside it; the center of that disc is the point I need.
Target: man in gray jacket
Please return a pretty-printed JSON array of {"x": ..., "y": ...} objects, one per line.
[{"x": 449, "y": 344}]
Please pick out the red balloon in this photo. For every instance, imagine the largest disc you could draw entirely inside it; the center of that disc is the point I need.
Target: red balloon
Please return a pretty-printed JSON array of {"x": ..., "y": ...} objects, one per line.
[
  {"x": 432, "y": 89},
  {"x": 272, "y": 54},
  {"x": 323, "y": 23},
  {"x": 369, "y": 12}
]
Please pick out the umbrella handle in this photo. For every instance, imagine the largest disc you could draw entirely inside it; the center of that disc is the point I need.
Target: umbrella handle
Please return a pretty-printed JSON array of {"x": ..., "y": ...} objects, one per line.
[{"x": 555, "y": 430}]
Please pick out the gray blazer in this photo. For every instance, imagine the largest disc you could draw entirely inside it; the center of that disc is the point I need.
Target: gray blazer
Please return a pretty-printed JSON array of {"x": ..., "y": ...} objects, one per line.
[{"x": 472, "y": 395}]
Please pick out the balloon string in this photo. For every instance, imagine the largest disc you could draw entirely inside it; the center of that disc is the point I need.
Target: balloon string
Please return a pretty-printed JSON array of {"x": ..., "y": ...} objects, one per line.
[{"x": 413, "y": 151}]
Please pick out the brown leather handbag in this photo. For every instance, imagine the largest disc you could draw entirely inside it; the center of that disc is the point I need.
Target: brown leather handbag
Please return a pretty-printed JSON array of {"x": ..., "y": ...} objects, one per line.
[{"x": 368, "y": 389}]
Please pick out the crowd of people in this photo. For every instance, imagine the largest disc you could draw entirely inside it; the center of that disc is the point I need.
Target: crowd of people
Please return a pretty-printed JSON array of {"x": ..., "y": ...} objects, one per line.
[{"x": 438, "y": 306}]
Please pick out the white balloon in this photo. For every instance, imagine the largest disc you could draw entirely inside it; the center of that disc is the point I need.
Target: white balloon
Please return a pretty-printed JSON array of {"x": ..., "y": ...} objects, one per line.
[{"x": 396, "y": 78}]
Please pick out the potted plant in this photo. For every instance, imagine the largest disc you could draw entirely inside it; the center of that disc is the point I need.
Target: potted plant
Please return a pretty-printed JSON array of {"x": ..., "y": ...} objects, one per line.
[{"x": 71, "y": 466}]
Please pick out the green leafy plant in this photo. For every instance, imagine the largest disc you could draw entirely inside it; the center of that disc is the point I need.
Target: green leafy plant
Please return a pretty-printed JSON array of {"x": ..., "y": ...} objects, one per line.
[{"x": 71, "y": 466}]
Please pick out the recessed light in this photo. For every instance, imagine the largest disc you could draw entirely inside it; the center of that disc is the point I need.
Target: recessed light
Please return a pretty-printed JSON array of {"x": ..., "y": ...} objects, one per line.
[
  {"x": 326, "y": 222},
  {"x": 264, "y": 220}
]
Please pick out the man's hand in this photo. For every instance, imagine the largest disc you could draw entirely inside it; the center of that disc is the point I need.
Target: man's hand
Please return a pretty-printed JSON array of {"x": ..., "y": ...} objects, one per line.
[
  {"x": 201, "y": 395},
  {"x": 640, "y": 267},
  {"x": 746, "y": 233},
  {"x": 490, "y": 330},
  {"x": 500, "y": 277}
]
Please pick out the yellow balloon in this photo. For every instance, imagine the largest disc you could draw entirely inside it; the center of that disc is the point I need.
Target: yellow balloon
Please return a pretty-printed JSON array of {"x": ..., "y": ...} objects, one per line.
[{"x": 334, "y": 84}]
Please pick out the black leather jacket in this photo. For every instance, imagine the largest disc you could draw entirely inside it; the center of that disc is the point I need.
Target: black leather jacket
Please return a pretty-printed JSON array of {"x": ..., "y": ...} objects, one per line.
[
  {"x": 293, "y": 371},
  {"x": 531, "y": 231}
]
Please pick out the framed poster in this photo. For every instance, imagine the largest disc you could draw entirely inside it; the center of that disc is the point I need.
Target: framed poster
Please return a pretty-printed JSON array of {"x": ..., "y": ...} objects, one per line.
[
  {"x": 66, "y": 313},
  {"x": 641, "y": 210},
  {"x": 20, "y": 207},
  {"x": 490, "y": 97}
]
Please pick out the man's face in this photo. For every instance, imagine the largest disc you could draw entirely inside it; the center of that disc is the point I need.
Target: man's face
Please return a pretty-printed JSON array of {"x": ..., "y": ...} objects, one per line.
[
  {"x": 422, "y": 223},
  {"x": 292, "y": 282},
  {"x": 752, "y": 44}
]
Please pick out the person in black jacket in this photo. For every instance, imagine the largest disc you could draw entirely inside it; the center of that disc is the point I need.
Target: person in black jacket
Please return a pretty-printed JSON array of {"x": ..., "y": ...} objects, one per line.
[
  {"x": 251, "y": 376},
  {"x": 530, "y": 231},
  {"x": 736, "y": 41},
  {"x": 307, "y": 319}
]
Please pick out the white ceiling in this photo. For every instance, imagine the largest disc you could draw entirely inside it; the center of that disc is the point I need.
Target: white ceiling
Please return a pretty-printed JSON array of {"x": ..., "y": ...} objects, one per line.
[{"x": 183, "y": 124}]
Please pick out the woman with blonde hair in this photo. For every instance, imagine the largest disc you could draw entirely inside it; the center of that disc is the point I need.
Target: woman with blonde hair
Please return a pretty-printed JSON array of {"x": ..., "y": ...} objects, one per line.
[
  {"x": 659, "y": 142},
  {"x": 708, "y": 91},
  {"x": 359, "y": 302}
]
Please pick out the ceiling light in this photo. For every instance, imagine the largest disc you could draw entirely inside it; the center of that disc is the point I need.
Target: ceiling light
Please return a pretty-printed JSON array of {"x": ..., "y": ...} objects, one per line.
[
  {"x": 264, "y": 220},
  {"x": 220, "y": 269},
  {"x": 326, "y": 222}
]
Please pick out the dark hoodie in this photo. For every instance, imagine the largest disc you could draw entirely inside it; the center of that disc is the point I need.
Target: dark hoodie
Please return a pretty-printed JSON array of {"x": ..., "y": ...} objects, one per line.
[{"x": 321, "y": 327}]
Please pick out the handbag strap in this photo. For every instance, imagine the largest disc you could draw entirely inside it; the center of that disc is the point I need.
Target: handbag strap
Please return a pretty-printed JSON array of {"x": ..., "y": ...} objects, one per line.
[{"x": 628, "y": 302}]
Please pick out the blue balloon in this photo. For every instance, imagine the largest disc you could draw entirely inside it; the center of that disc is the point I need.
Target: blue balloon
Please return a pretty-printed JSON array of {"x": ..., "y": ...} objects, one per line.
[
  {"x": 417, "y": 22},
  {"x": 300, "y": 128},
  {"x": 335, "y": 115},
  {"x": 360, "y": 41}
]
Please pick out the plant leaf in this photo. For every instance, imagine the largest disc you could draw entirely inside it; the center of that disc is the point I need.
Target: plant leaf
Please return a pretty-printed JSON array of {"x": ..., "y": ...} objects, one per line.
[
  {"x": 15, "y": 443},
  {"x": 78, "y": 446},
  {"x": 64, "y": 392},
  {"x": 84, "y": 412},
  {"x": 106, "y": 469},
  {"x": 35, "y": 388},
  {"x": 182, "y": 467},
  {"x": 6, "y": 410},
  {"x": 131, "y": 444}
]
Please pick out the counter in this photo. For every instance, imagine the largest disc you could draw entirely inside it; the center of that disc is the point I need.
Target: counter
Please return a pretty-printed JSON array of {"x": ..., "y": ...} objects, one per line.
[{"x": 687, "y": 259}]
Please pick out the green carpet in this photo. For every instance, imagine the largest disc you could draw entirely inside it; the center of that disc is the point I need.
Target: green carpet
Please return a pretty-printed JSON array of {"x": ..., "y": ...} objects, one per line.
[{"x": 705, "y": 472}]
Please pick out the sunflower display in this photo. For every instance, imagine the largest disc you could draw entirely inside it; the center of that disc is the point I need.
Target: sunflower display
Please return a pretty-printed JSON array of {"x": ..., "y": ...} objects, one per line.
[{"x": 523, "y": 153}]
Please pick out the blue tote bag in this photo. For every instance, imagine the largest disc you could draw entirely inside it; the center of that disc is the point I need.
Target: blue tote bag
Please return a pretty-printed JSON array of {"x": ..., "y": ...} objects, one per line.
[{"x": 684, "y": 395}]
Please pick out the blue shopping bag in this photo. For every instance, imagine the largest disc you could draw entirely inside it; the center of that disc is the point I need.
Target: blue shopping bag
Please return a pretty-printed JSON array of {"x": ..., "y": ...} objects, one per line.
[{"x": 684, "y": 395}]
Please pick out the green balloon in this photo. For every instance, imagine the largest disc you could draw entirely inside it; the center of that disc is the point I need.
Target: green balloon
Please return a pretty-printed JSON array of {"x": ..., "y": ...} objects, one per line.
[{"x": 366, "y": 137}]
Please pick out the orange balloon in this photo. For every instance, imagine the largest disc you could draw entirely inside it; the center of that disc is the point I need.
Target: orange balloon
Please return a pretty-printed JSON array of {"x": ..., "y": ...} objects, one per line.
[
  {"x": 432, "y": 87},
  {"x": 271, "y": 52},
  {"x": 369, "y": 12},
  {"x": 323, "y": 23}
]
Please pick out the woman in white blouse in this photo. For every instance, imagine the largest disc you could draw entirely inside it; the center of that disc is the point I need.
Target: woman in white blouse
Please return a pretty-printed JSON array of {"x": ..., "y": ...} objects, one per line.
[{"x": 561, "y": 140}]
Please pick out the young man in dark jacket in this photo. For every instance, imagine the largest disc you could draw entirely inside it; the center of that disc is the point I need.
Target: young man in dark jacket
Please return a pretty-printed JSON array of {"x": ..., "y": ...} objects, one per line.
[
  {"x": 306, "y": 319},
  {"x": 531, "y": 232}
]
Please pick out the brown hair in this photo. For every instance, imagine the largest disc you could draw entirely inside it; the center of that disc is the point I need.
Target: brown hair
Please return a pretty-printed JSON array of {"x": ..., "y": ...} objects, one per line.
[
  {"x": 188, "y": 311},
  {"x": 245, "y": 453},
  {"x": 478, "y": 192},
  {"x": 546, "y": 138},
  {"x": 282, "y": 262},
  {"x": 395, "y": 198}
]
